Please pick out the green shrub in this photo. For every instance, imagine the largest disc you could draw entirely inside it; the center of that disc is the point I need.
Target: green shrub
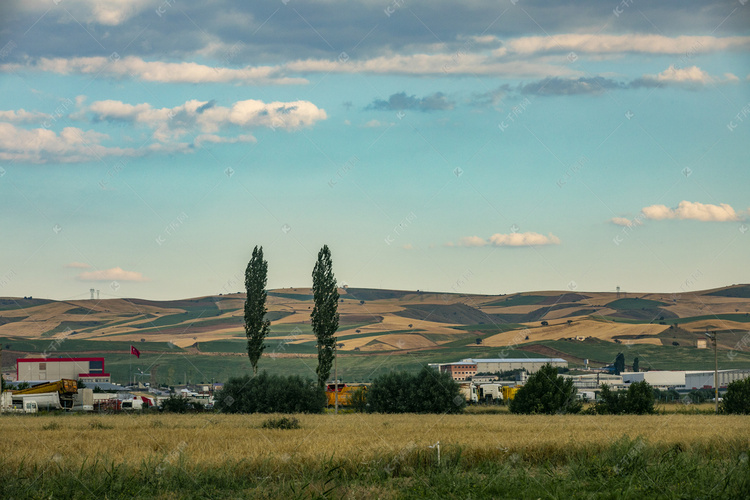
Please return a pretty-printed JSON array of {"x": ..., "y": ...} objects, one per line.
[
  {"x": 270, "y": 394},
  {"x": 737, "y": 397},
  {"x": 176, "y": 404},
  {"x": 428, "y": 391},
  {"x": 281, "y": 423},
  {"x": 638, "y": 399},
  {"x": 546, "y": 392}
]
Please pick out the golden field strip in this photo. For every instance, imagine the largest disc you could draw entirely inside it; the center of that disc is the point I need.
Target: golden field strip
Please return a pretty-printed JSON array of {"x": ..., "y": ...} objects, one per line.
[{"x": 352, "y": 439}]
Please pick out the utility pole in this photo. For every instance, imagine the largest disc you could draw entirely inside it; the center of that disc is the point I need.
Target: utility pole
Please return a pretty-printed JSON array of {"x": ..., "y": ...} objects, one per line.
[
  {"x": 716, "y": 374},
  {"x": 712, "y": 336},
  {"x": 335, "y": 379}
]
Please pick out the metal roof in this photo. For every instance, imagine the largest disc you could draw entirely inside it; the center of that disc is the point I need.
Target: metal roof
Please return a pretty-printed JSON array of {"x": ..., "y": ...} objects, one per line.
[{"x": 515, "y": 360}]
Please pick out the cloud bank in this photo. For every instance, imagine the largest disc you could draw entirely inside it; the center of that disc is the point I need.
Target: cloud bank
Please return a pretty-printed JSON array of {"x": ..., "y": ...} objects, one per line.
[{"x": 509, "y": 240}]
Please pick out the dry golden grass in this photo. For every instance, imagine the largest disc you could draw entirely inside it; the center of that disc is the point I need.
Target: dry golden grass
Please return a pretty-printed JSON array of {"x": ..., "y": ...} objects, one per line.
[
  {"x": 584, "y": 327},
  {"x": 211, "y": 439}
]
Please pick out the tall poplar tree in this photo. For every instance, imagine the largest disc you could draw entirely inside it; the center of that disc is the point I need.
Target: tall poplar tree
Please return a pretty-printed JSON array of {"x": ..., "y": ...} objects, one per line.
[
  {"x": 256, "y": 324},
  {"x": 324, "y": 317}
]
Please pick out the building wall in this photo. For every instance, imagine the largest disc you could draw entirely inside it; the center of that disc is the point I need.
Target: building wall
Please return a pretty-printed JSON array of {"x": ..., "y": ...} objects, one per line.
[
  {"x": 699, "y": 380},
  {"x": 460, "y": 371},
  {"x": 656, "y": 378},
  {"x": 595, "y": 381},
  {"x": 503, "y": 366},
  {"x": 55, "y": 369}
]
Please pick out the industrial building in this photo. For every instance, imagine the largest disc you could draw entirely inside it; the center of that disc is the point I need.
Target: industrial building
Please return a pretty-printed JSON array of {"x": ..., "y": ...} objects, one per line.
[
  {"x": 460, "y": 371},
  {"x": 685, "y": 380},
  {"x": 468, "y": 368},
  {"x": 705, "y": 379},
  {"x": 531, "y": 365},
  {"x": 594, "y": 381},
  {"x": 659, "y": 379},
  {"x": 39, "y": 369}
]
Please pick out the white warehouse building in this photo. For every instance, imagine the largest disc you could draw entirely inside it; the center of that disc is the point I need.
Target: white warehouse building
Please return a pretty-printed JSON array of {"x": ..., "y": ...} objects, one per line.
[
  {"x": 705, "y": 379},
  {"x": 531, "y": 365},
  {"x": 656, "y": 378}
]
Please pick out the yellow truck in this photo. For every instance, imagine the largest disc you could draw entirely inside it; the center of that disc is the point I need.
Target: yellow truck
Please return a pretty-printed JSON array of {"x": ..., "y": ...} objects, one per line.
[
  {"x": 345, "y": 394},
  {"x": 509, "y": 392},
  {"x": 57, "y": 394},
  {"x": 62, "y": 387}
]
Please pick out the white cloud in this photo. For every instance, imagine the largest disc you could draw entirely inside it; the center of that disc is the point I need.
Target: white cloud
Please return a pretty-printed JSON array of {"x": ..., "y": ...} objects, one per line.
[
  {"x": 114, "y": 274},
  {"x": 107, "y": 13},
  {"x": 508, "y": 240},
  {"x": 157, "y": 71},
  {"x": 690, "y": 77},
  {"x": 199, "y": 120},
  {"x": 77, "y": 265},
  {"x": 617, "y": 44},
  {"x": 71, "y": 145},
  {"x": 523, "y": 239},
  {"x": 688, "y": 210},
  {"x": 377, "y": 124},
  {"x": 432, "y": 64},
  {"x": 190, "y": 72},
  {"x": 22, "y": 116},
  {"x": 217, "y": 139},
  {"x": 622, "y": 221},
  {"x": 472, "y": 241},
  {"x": 209, "y": 118}
]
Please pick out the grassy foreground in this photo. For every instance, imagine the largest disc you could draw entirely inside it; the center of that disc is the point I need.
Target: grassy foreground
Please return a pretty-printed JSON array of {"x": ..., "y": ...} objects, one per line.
[{"x": 375, "y": 456}]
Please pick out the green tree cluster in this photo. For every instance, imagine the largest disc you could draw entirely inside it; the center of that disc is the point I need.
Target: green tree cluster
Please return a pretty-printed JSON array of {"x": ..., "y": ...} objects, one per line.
[
  {"x": 428, "y": 391},
  {"x": 638, "y": 399},
  {"x": 266, "y": 393},
  {"x": 176, "y": 404},
  {"x": 546, "y": 392},
  {"x": 737, "y": 397}
]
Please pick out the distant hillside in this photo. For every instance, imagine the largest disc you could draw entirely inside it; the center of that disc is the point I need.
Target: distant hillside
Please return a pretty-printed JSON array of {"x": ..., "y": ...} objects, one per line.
[{"x": 390, "y": 320}]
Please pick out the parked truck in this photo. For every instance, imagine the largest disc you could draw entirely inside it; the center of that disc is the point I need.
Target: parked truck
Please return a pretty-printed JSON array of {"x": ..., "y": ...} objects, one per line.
[
  {"x": 469, "y": 391},
  {"x": 30, "y": 403},
  {"x": 510, "y": 392},
  {"x": 83, "y": 400},
  {"x": 345, "y": 393},
  {"x": 490, "y": 393},
  {"x": 65, "y": 389},
  {"x": 64, "y": 386}
]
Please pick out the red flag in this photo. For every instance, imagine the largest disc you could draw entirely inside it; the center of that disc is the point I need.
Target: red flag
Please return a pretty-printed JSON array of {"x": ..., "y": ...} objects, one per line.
[{"x": 135, "y": 352}]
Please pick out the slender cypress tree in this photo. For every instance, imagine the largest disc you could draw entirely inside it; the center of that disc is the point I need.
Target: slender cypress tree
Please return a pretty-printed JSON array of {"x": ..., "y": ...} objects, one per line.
[
  {"x": 324, "y": 317},
  {"x": 256, "y": 324},
  {"x": 619, "y": 363}
]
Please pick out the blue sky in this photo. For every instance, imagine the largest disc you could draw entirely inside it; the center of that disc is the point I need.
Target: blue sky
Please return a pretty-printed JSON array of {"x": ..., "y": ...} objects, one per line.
[{"x": 485, "y": 147}]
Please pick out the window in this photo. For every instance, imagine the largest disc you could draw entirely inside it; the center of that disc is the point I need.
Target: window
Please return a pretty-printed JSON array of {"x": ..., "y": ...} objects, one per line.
[
  {"x": 96, "y": 366},
  {"x": 42, "y": 367}
]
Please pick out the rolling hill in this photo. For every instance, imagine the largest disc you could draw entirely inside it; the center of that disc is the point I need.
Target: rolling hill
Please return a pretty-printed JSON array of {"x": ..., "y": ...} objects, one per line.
[{"x": 376, "y": 322}]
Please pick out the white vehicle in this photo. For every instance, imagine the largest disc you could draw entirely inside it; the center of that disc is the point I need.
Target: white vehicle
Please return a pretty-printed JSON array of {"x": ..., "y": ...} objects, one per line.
[
  {"x": 469, "y": 391},
  {"x": 84, "y": 400},
  {"x": 132, "y": 404},
  {"x": 30, "y": 403},
  {"x": 586, "y": 395},
  {"x": 490, "y": 392}
]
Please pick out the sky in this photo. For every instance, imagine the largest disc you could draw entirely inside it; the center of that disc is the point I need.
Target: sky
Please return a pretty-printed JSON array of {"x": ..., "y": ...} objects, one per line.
[{"x": 481, "y": 146}]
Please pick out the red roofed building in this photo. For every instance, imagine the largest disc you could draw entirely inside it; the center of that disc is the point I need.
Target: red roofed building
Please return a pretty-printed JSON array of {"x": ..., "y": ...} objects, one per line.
[{"x": 86, "y": 369}]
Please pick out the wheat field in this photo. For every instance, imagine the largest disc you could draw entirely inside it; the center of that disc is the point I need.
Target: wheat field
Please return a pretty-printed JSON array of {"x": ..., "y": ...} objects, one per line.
[{"x": 353, "y": 438}]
